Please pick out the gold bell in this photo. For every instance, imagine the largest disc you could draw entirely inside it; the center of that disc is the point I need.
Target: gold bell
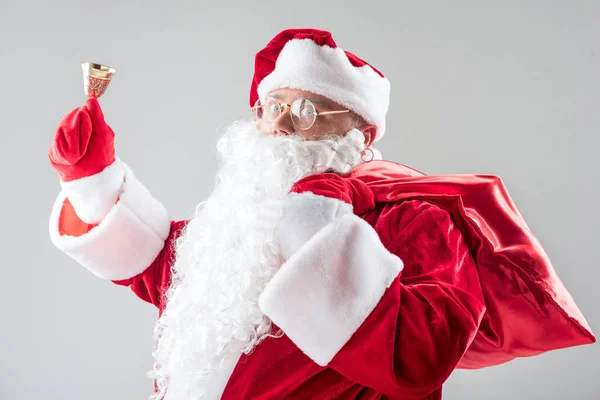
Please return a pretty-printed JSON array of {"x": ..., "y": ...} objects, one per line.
[{"x": 96, "y": 78}]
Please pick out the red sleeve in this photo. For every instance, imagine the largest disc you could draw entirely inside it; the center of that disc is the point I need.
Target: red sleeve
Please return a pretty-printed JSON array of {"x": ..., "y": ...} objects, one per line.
[
  {"x": 151, "y": 284},
  {"x": 153, "y": 281},
  {"x": 392, "y": 304},
  {"x": 423, "y": 324}
]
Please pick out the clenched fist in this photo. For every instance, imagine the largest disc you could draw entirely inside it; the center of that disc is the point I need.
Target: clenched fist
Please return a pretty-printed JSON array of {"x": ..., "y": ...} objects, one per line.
[
  {"x": 83, "y": 144},
  {"x": 83, "y": 154}
]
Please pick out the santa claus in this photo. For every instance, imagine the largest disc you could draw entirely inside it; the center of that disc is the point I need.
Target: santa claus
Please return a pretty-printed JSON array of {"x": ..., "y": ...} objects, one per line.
[{"x": 314, "y": 270}]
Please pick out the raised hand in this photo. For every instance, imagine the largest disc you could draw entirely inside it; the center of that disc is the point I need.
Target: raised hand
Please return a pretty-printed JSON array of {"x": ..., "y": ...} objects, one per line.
[{"x": 83, "y": 144}]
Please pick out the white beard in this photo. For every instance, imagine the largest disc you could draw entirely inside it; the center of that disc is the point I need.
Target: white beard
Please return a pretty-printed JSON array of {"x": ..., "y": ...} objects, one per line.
[{"x": 228, "y": 253}]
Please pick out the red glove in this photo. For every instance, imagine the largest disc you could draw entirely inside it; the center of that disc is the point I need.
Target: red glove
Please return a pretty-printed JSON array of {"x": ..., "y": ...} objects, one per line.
[
  {"x": 83, "y": 144},
  {"x": 349, "y": 190},
  {"x": 83, "y": 154},
  {"x": 315, "y": 202}
]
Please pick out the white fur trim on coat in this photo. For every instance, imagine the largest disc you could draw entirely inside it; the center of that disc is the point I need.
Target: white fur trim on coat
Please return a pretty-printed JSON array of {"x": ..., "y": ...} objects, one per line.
[
  {"x": 323, "y": 294},
  {"x": 126, "y": 241},
  {"x": 303, "y": 215},
  {"x": 327, "y": 71},
  {"x": 92, "y": 197}
]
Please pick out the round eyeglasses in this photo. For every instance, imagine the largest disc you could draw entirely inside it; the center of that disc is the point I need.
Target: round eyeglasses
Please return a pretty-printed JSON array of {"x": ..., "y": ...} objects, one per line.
[{"x": 302, "y": 111}]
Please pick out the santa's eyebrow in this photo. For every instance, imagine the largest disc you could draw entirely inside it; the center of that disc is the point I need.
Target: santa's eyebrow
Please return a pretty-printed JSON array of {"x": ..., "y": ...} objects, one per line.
[{"x": 315, "y": 101}]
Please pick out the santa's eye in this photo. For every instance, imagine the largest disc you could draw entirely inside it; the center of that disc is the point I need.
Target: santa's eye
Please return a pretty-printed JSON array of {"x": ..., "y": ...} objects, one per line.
[
  {"x": 274, "y": 108},
  {"x": 308, "y": 111}
]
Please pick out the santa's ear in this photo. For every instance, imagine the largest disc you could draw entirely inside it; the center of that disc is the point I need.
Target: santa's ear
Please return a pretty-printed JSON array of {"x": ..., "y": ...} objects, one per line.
[{"x": 370, "y": 132}]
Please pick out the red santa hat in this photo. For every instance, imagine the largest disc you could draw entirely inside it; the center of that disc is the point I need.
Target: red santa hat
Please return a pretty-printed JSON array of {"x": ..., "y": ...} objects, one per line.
[{"x": 309, "y": 59}]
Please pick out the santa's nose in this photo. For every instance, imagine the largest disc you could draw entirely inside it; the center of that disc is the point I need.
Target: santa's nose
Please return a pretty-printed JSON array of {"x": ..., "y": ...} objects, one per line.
[{"x": 283, "y": 125}]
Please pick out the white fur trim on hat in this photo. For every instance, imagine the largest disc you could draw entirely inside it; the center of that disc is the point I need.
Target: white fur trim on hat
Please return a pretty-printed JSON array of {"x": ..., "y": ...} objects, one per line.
[{"x": 327, "y": 71}]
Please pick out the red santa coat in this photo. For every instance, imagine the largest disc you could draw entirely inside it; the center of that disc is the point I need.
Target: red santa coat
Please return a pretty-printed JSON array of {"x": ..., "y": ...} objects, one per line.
[{"x": 381, "y": 306}]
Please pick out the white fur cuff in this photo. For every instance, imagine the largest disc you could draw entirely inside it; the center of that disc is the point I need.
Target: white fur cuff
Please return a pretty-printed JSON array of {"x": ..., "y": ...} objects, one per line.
[
  {"x": 126, "y": 241},
  {"x": 323, "y": 294},
  {"x": 303, "y": 215},
  {"x": 92, "y": 197}
]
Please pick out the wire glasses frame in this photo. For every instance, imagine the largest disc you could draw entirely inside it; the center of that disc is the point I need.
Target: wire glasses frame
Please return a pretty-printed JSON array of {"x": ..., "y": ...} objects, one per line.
[{"x": 302, "y": 111}]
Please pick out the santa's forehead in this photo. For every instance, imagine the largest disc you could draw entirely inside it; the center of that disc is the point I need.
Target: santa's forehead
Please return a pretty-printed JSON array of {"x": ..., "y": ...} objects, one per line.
[{"x": 290, "y": 94}]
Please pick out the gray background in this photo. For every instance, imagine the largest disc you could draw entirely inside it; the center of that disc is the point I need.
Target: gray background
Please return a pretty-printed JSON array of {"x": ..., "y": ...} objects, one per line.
[{"x": 508, "y": 88}]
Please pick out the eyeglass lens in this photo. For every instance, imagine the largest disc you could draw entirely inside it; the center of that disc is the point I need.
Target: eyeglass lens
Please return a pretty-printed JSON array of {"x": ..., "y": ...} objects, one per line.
[{"x": 302, "y": 111}]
